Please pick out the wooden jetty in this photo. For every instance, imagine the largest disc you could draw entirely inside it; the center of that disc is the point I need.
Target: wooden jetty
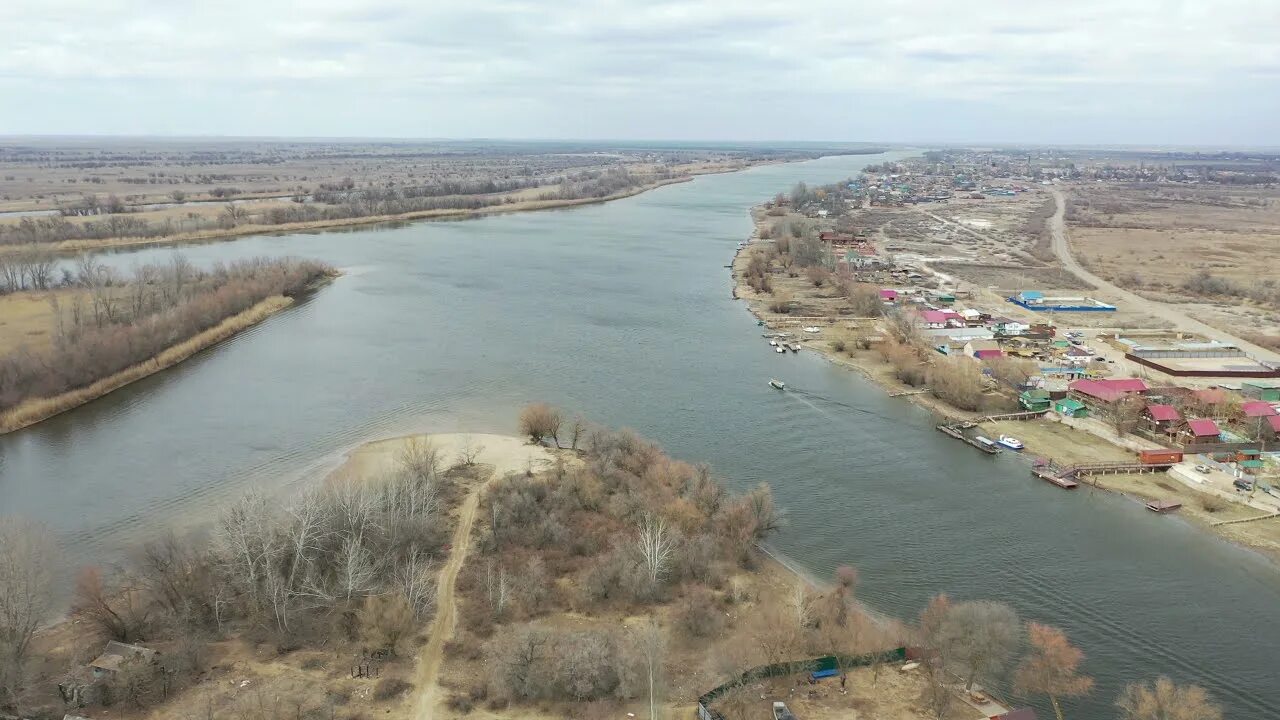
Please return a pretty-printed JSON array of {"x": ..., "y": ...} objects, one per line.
[
  {"x": 955, "y": 432},
  {"x": 1163, "y": 506}
]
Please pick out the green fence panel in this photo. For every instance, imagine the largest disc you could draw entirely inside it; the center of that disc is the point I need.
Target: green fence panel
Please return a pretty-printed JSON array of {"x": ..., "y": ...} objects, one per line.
[{"x": 827, "y": 662}]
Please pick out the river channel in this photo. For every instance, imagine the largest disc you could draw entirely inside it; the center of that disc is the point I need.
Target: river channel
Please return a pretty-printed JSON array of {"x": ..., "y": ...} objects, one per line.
[{"x": 622, "y": 311}]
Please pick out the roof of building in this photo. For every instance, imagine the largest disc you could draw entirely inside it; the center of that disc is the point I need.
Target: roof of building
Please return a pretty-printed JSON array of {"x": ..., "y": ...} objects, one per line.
[
  {"x": 1258, "y": 408},
  {"x": 992, "y": 353},
  {"x": 1211, "y": 396},
  {"x": 1261, "y": 383},
  {"x": 1109, "y": 390},
  {"x": 1253, "y": 464},
  {"x": 1031, "y": 294},
  {"x": 1203, "y": 427},
  {"x": 1163, "y": 412},
  {"x": 939, "y": 316},
  {"x": 1070, "y": 404},
  {"x": 889, "y": 294},
  {"x": 982, "y": 344},
  {"x": 1274, "y": 421},
  {"x": 116, "y": 653}
]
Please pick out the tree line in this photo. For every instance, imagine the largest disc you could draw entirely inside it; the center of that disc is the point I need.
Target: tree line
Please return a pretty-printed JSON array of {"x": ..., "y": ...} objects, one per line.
[
  {"x": 104, "y": 322},
  {"x": 348, "y": 566}
]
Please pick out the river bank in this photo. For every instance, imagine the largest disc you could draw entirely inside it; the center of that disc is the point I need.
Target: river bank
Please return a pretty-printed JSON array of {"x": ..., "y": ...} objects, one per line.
[
  {"x": 34, "y": 410},
  {"x": 1042, "y": 437},
  {"x": 73, "y": 247}
]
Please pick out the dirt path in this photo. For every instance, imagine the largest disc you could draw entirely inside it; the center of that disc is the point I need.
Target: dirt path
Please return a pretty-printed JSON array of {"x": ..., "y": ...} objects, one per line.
[
  {"x": 1061, "y": 248},
  {"x": 446, "y": 611},
  {"x": 503, "y": 455}
]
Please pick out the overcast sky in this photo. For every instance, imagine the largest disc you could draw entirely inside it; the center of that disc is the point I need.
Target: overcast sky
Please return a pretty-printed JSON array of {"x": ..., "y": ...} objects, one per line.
[{"x": 1143, "y": 72}]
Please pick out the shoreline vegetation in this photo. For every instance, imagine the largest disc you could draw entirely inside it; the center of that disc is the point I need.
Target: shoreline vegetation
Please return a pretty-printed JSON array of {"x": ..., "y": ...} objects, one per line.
[
  {"x": 96, "y": 224},
  {"x": 776, "y": 273},
  {"x": 576, "y": 571},
  {"x": 103, "y": 331}
]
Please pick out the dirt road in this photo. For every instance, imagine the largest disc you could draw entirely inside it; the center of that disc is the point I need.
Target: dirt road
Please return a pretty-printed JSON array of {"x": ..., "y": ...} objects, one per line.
[
  {"x": 1061, "y": 248},
  {"x": 504, "y": 455}
]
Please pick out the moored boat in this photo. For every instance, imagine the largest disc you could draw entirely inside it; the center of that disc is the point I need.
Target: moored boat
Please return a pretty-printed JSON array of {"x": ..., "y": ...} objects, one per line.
[
  {"x": 778, "y": 384},
  {"x": 985, "y": 441},
  {"x": 1010, "y": 442}
]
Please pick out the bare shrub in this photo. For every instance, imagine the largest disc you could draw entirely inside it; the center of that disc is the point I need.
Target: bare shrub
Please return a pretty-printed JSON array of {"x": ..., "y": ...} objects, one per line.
[
  {"x": 699, "y": 616},
  {"x": 540, "y": 422},
  {"x": 957, "y": 381}
]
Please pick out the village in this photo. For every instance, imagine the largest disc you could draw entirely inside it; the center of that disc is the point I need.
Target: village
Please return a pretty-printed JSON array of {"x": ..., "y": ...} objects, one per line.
[{"x": 933, "y": 276}]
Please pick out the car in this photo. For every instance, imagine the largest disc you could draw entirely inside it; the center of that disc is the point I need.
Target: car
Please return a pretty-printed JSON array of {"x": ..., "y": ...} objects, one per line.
[
  {"x": 1243, "y": 484},
  {"x": 1203, "y": 469}
]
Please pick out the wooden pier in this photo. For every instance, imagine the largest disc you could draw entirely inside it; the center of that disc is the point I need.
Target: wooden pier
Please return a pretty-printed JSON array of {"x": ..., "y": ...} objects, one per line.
[{"x": 955, "y": 431}]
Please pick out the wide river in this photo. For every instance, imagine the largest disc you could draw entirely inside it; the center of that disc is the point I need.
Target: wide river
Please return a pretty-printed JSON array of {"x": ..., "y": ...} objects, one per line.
[{"x": 623, "y": 312}]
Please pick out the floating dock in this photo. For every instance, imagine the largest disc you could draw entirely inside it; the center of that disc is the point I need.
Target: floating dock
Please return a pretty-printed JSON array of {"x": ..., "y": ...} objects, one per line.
[
  {"x": 955, "y": 432},
  {"x": 1163, "y": 506}
]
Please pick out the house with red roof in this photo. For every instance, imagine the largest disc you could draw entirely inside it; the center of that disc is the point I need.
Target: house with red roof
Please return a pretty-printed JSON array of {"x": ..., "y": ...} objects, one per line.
[
  {"x": 938, "y": 319},
  {"x": 1201, "y": 430},
  {"x": 1257, "y": 409},
  {"x": 888, "y": 296},
  {"x": 1162, "y": 418},
  {"x": 1273, "y": 425},
  {"x": 1102, "y": 394}
]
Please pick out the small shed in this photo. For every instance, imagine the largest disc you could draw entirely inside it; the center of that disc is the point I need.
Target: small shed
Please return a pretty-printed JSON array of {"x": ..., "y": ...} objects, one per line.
[
  {"x": 889, "y": 296},
  {"x": 1035, "y": 400},
  {"x": 116, "y": 654},
  {"x": 1070, "y": 407}
]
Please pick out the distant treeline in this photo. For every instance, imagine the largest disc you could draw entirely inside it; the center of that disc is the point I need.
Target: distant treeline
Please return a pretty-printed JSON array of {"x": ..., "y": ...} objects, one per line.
[
  {"x": 104, "y": 323},
  {"x": 340, "y": 202}
]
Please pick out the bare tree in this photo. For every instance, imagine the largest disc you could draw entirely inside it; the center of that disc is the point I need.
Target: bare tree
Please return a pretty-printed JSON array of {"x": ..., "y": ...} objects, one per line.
[
  {"x": 1164, "y": 700},
  {"x": 118, "y": 612},
  {"x": 468, "y": 451},
  {"x": 656, "y": 545},
  {"x": 1051, "y": 667},
  {"x": 651, "y": 642},
  {"x": 28, "y": 556},
  {"x": 540, "y": 421},
  {"x": 415, "y": 580},
  {"x": 801, "y": 605},
  {"x": 978, "y": 637}
]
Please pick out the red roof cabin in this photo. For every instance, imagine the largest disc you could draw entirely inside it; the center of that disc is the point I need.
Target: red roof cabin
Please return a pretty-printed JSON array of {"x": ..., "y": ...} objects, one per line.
[
  {"x": 889, "y": 296},
  {"x": 1106, "y": 392},
  {"x": 937, "y": 319},
  {"x": 1162, "y": 417},
  {"x": 1202, "y": 430}
]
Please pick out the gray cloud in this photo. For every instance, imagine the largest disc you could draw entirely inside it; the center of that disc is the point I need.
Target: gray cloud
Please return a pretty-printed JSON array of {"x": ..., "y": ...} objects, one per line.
[{"x": 1087, "y": 71}]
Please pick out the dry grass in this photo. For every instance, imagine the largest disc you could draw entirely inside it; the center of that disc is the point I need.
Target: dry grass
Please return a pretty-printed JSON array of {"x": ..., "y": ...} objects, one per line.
[
  {"x": 37, "y": 409},
  {"x": 27, "y": 319},
  {"x": 77, "y": 246}
]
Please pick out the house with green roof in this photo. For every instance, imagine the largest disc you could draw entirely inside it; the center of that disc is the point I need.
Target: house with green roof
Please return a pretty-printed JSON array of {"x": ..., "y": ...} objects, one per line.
[{"x": 1069, "y": 407}]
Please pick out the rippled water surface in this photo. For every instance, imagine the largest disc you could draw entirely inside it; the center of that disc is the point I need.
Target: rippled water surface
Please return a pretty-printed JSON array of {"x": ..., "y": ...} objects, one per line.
[{"x": 623, "y": 312}]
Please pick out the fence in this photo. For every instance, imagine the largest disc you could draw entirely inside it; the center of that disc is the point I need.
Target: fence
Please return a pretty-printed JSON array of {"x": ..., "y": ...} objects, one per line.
[{"x": 826, "y": 662}]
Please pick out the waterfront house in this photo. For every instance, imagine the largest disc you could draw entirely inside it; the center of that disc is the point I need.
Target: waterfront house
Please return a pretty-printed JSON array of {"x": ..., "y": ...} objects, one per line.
[
  {"x": 1069, "y": 407},
  {"x": 1103, "y": 394},
  {"x": 1034, "y": 400},
  {"x": 1273, "y": 427},
  {"x": 937, "y": 319},
  {"x": 1162, "y": 418},
  {"x": 1201, "y": 430},
  {"x": 1265, "y": 390}
]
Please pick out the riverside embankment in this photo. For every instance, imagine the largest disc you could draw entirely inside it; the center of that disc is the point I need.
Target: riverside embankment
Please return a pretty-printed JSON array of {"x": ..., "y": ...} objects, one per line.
[{"x": 623, "y": 311}]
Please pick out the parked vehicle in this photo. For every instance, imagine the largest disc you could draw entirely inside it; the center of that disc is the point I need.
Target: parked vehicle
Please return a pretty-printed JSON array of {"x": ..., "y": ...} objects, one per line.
[
  {"x": 780, "y": 711},
  {"x": 1204, "y": 469},
  {"x": 1243, "y": 484}
]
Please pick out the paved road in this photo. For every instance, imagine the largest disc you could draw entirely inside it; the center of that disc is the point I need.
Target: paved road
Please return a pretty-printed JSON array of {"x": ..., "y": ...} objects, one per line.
[{"x": 1179, "y": 319}]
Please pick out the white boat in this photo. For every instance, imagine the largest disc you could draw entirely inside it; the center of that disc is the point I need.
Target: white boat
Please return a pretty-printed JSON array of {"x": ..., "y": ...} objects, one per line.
[
  {"x": 773, "y": 343},
  {"x": 1010, "y": 442},
  {"x": 986, "y": 441},
  {"x": 795, "y": 347},
  {"x": 778, "y": 384},
  {"x": 780, "y": 349},
  {"x": 813, "y": 329}
]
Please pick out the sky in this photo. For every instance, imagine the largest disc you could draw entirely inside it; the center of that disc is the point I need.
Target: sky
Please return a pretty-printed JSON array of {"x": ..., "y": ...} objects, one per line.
[{"x": 1138, "y": 72}]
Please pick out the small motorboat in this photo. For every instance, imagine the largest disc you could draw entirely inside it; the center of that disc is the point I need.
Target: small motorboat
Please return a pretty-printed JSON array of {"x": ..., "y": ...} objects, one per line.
[
  {"x": 773, "y": 343},
  {"x": 778, "y": 384},
  {"x": 795, "y": 347},
  {"x": 1010, "y": 442},
  {"x": 780, "y": 349},
  {"x": 985, "y": 441},
  {"x": 813, "y": 329}
]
